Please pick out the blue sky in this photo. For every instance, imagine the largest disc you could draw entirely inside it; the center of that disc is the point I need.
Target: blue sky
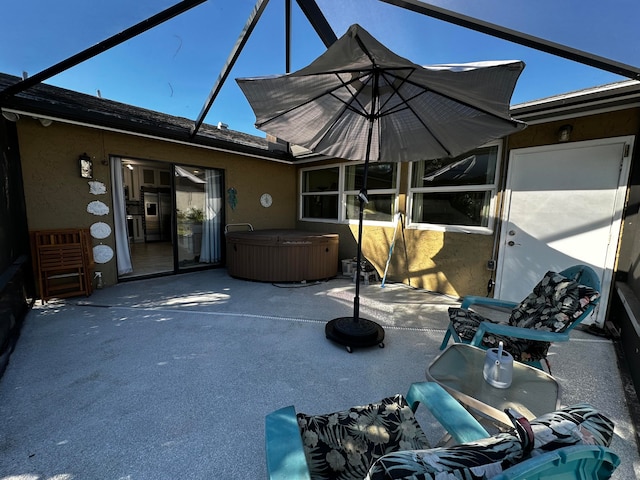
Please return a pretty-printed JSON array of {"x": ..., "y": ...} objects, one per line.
[{"x": 173, "y": 67}]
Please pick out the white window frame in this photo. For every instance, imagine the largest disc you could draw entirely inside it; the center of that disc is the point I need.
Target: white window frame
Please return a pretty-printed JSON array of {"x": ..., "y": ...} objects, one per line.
[
  {"x": 303, "y": 194},
  {"x": 492, "y": 188},
  {"x": 342, "y": 196}
]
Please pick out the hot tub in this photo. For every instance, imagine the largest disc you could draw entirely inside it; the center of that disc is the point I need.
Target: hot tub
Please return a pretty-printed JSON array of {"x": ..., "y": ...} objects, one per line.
[{"x": 282, "y": 255}]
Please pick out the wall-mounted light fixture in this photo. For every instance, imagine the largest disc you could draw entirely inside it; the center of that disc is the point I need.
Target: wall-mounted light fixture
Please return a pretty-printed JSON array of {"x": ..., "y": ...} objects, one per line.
[
  {"x": 564, "y": 134},
  {"x": 86, "y": 166},
  {"x": 11, "y": 116}
]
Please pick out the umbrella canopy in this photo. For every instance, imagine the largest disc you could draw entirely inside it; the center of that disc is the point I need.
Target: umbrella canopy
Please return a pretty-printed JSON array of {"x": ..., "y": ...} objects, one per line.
[
  {"x": 361, "y": 101},
  {"x": 414, "y": 112}
]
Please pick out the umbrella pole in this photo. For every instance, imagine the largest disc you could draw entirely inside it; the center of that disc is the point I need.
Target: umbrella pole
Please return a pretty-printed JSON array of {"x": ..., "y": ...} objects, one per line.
[
  {"x": 362, "y": 199},
  {"x": 355, "y": 331}
]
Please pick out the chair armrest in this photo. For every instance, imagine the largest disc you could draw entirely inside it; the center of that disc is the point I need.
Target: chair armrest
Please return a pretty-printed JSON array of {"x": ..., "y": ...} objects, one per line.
[
  {"x": 489, "y": 302},
  {"x": 517, "y": 332},
  {"x": 576, "y": 461},
  {"x": 284, "y": 449},
  {"x": 457, "y": 421}
]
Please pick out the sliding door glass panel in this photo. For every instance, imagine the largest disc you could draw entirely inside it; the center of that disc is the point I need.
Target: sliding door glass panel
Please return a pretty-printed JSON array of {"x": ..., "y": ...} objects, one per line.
[
  {"x": 148, "y": 210},
  {"x": 199, "y": 216}
]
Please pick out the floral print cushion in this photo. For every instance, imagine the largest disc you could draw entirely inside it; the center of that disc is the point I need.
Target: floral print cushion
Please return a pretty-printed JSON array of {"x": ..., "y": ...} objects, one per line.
[
  {"x": 466, "y": 323},
  {"x": 343, "y": 445},
  {"x": 481, "y": 459},
  {"x": 555, "y": 303},
  {"x": 484, "y": 459},
  {"x": 572, "y": 425}
]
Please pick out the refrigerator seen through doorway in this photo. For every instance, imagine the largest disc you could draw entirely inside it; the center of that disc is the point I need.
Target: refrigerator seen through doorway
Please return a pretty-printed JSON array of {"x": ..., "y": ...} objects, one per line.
[{"x": 157, "y": 214}]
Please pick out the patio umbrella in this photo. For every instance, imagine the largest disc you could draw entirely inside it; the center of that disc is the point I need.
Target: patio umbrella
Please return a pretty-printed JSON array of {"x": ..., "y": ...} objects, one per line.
[{"x": 360, "y": 101}]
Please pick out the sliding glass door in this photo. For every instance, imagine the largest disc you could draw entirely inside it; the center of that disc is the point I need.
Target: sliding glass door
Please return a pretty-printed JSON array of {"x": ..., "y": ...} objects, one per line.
[
  {"x": 198, "y": 194},
  {"x": 170, "y": 218}
]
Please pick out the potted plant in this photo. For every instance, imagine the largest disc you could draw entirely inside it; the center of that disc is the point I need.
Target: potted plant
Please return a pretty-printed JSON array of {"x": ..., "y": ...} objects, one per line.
[
  {"x": 190, "y": 228},
  {"x": 195, "y": 217}
]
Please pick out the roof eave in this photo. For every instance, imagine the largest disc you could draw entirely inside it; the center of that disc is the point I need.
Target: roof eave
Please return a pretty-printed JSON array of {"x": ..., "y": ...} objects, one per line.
[
  {"x": 175, "y": 133},
  {"x": 615, "y": 96},
  {"x": 55, "y": 103}
]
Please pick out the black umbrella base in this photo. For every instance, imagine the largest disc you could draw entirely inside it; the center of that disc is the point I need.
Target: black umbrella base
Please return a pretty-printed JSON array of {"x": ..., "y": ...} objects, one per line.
[{"x": 354, "y": 333}]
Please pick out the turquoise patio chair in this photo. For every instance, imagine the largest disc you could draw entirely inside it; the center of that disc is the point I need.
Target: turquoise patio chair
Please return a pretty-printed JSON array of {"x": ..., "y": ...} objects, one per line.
[
  {"x": 292, "y": 445},
  {"x": 580, "y": 462},
  {"x": 558, "y": 303},
  {"x": 286, "y": 459}
]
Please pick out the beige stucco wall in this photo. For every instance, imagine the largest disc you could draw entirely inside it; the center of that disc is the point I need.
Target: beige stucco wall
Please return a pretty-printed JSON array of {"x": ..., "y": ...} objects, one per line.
[
  {"x": 604, "y": 125},
  {"x": 57, "y": 197},
  {"x": 451, "y": 263},
  {"x": 445, "y": 262}
]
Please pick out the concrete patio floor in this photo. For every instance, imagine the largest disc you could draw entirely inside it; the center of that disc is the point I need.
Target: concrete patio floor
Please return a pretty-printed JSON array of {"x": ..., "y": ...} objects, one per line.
[{"x": 170, "y": 378}]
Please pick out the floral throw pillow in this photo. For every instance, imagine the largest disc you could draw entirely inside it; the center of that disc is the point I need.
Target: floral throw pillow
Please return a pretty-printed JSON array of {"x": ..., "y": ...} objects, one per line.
[{"x": 343, "y": 445}]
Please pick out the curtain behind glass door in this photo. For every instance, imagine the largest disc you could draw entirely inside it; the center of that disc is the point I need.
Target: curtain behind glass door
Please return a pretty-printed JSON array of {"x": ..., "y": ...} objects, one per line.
[{"x": 199, "y": 209}]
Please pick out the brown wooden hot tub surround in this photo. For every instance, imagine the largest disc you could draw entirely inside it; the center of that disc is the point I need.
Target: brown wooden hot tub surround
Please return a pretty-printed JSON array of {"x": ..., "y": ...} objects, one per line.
[{"x": 282, "y": 255}]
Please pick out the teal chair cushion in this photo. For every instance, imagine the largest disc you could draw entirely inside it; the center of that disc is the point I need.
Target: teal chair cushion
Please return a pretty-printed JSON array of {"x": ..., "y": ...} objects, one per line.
[{"x": 343, "y": 445}]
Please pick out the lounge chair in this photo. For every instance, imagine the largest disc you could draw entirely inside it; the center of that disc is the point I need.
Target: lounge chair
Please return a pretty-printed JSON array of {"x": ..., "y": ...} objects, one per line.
[
  {"x": 558, "y": 303},
  {"x": 383, "y": 441}
]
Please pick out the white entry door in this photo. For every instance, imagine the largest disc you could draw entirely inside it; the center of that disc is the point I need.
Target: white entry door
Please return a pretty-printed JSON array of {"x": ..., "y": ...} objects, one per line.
[{"x": 563, "y": 206}]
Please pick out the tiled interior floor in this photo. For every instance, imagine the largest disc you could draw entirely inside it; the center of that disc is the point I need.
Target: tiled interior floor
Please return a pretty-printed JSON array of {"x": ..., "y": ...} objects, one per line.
[
  {"x": 157, "y": 257},
  {"x": 150, "y": 258}
]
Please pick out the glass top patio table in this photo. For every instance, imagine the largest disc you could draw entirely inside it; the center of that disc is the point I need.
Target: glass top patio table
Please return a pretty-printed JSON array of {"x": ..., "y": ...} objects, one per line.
[{"x": 459, "y": 370}]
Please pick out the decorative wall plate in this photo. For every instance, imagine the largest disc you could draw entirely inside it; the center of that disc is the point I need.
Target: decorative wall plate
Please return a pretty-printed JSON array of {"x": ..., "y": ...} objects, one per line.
[
  {"x": 102, "y": 253},
  {"x": 97, "y": 188},
  {"x": 97, "y": 208},
  {"x": 100, "y": 230}
]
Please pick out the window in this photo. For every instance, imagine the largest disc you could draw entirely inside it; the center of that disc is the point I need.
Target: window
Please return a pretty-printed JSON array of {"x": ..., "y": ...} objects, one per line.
[
  {"x": 320, "y": 193},
  {"x": 148, "y": 176},
  {"x": 381, "y": 191},
  {"x": 455, "y": 194},
  {"x": 331, "y": 193}
]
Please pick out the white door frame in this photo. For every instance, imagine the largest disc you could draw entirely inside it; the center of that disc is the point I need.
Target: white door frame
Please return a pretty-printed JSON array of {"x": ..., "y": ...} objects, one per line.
[{"x": 616, "y": 223}]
